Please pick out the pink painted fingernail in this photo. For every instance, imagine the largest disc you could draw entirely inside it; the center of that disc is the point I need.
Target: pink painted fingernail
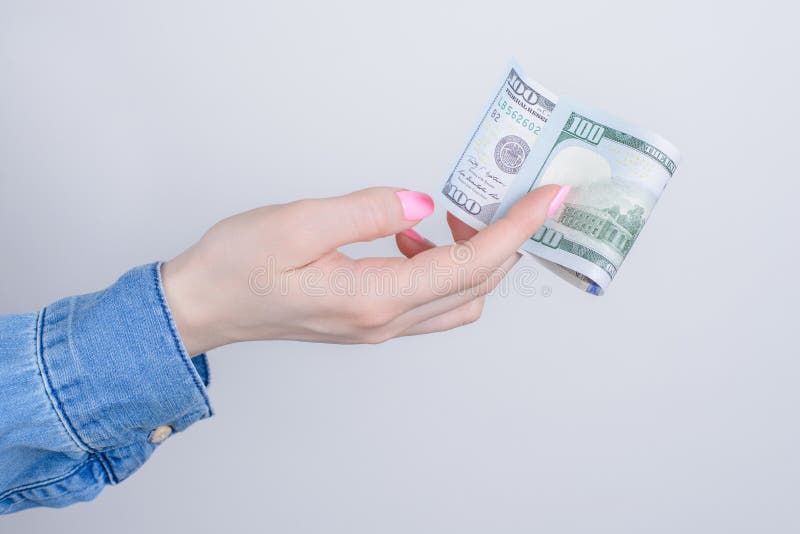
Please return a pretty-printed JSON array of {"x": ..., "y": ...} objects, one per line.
[
  {"x": 413, "y": 235},
  {"x": 416, "y": 205},
  {"x": 558, "y": 200}
]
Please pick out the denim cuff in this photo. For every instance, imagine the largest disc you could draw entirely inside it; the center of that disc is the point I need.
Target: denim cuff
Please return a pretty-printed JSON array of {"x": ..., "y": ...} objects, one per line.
[{"x": 116, "y": 370}]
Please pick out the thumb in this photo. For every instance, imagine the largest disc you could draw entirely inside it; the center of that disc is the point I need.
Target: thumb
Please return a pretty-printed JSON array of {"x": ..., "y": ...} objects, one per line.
[
  {"x": 361, "y": 216},
  {"x": 492, "y": 246}
]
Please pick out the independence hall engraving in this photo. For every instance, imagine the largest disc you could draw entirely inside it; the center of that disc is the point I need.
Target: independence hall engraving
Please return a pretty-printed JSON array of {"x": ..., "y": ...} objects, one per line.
[{"x": 606, "y": 225}]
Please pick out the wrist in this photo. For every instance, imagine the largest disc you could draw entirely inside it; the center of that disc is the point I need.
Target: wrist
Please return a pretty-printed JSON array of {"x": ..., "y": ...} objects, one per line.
[{"x": 187, "y": 296}]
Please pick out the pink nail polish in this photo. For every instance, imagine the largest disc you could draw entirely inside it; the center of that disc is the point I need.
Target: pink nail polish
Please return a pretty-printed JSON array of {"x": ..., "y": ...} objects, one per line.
[
  {"x": 558, "y": 200},
  {"x": 416, "y": 205},
  {"x": 413, "y": 235}
]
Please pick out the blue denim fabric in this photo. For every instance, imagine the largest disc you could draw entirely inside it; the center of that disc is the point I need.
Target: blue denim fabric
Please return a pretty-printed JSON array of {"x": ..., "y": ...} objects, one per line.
[{"x": 83, "y": 384}]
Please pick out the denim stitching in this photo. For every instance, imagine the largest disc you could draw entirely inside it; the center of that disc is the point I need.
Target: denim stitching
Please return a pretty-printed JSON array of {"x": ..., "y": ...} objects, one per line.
[
  {"x": 107, "y": 467},
  {"x": 176, "y": 338},
  {"x": 56, "y": 405},
  {"x": 42, "y": 483}
]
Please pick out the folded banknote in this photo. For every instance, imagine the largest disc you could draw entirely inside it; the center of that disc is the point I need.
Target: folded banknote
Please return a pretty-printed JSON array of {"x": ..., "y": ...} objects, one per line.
[{"x": 527, "y": 138}]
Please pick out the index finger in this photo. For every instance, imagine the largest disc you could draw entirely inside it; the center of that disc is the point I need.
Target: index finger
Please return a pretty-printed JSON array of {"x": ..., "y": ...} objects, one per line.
[{"x": 486, "y": 251}]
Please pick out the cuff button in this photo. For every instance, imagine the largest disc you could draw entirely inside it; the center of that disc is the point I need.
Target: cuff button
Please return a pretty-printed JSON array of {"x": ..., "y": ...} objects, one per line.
[{"x": 160, "y": 434}]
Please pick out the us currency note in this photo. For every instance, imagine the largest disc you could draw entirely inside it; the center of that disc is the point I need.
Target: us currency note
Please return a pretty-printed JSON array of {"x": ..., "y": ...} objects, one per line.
[
  {"x": 498, "y": 148},
  {"x": 616, "y": 171}
]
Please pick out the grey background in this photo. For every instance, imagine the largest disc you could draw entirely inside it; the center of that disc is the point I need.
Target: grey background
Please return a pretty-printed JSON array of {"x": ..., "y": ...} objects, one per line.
[{"x": 669, "y": 405}]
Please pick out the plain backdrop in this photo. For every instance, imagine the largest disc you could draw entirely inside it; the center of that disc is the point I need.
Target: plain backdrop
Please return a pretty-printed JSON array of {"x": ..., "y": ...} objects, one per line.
[{"x": 668, "y": 405}]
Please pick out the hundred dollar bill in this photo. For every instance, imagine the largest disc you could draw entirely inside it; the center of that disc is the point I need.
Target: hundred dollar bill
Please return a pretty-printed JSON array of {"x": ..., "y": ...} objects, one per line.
[
  {"x": 497, "y": 149},
  {"x": 616, "y": 171}
]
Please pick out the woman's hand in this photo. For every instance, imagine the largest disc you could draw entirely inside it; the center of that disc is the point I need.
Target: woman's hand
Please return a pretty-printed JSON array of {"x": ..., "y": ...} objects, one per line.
[{"x": 275, "y": 272}]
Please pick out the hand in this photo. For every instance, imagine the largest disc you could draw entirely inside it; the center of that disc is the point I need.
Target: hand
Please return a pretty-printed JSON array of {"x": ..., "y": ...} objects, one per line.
[{"x": 275, "y": 272}]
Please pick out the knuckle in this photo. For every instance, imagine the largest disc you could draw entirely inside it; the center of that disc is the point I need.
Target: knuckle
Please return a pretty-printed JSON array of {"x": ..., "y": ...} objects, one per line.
[
  {"x": 291, "y": 213},
  {"x": 371, "y": 216},
  {"x": 473, "y": 312},
  {"x": 376, "y": 337},
  {"x": 380, "y": 319},
  {"x": 366, "y": 321},
  {"x": 371, "y": 317}
]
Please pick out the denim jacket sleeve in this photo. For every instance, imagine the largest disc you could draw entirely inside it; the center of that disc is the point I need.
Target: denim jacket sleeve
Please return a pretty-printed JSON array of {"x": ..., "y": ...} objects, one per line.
[{"x": 89, "y": 386}]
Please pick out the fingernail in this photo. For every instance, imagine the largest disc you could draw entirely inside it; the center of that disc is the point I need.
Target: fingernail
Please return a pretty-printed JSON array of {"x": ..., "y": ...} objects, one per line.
[
  {"x": 413, "y": 235},
  {"x": 558, "y": 200},
  {"x": 418, "y": 238},
  {"x": 416, "y": 205}
]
